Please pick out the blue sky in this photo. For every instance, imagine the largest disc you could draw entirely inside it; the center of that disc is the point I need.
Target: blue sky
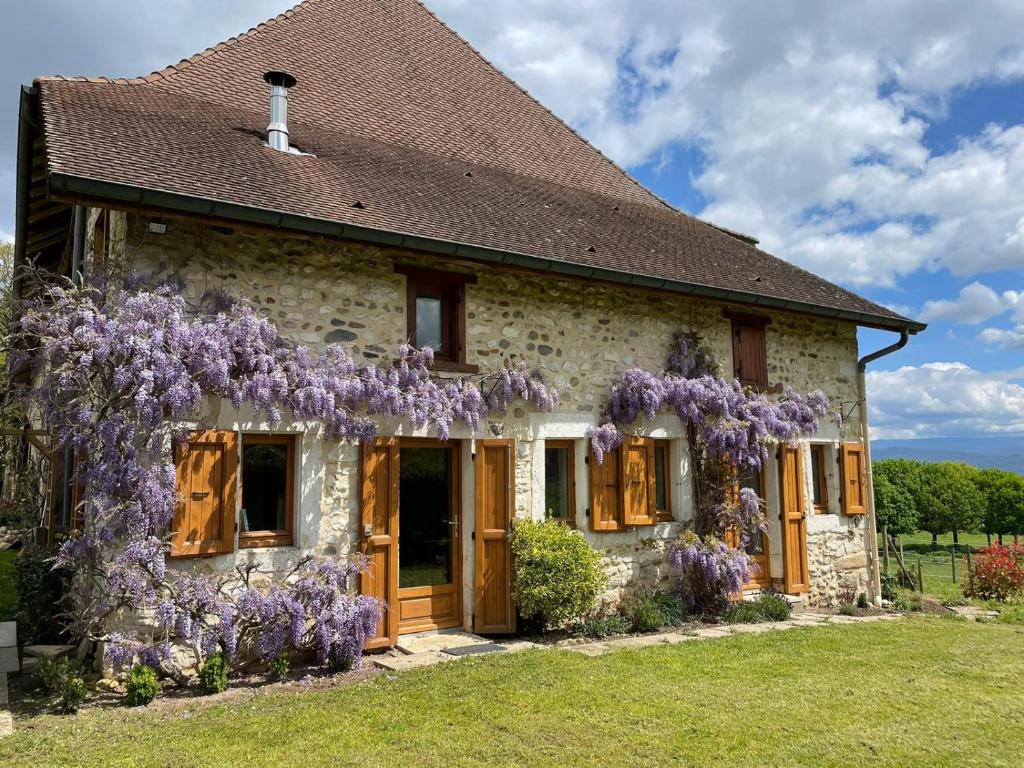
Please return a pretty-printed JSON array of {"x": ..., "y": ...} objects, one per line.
[{"x": 879, "y": 144}]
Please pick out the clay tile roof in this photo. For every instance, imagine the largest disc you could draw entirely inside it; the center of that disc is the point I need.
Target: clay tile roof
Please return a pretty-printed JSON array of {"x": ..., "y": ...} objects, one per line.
[{"x": 399, "y": 114}]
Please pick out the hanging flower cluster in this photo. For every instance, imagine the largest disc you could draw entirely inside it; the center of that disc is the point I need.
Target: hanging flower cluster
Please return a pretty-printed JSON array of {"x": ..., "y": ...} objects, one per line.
[
  {"x": 708, "y": 572},
  {"x": 730, "y": 427},
  {"x": 118, "y": 374}
]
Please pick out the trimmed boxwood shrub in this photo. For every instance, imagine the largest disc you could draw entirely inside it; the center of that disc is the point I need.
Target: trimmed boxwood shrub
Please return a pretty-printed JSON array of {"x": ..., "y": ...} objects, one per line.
[
  {"x": 557, "y": 575},
  {"x": 142, "y": 685}
]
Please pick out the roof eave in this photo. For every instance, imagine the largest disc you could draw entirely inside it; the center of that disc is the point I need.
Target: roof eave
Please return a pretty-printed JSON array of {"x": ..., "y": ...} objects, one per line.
[{"x": 90, "y": 189}]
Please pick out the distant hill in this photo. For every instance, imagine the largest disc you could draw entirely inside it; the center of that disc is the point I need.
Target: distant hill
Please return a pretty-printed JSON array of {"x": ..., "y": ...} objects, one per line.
[{"x": 1003, "y": 452}]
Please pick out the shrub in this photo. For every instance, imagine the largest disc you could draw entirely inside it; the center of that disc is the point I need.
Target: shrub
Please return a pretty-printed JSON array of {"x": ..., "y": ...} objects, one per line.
[
  {"x": 708, "y": 572},
  {"x": 766, "y": 607},
  {"x": 557, "y": 575},
  {"x": 142, "y": 685},
  {"x": 997, "y": 573},
  {"x": 213, "y": 675},
  {"x": 72, "y": 693},
  {"x": 848, "y": 609},
  {"x": 642, "y": 611},
  {"x": 278, "y": 666},
  {"x": 773, "y": 607},
  {"x": 49, "y": 673},
  {"x": 598, "y": 626},
  {"x": 862, "y": 601},
  {"x": 339, "y": 662}
]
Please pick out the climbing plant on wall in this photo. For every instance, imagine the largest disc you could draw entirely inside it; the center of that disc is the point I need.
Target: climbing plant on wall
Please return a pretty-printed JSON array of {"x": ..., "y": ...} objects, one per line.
[{"x": 121, "y": 372}]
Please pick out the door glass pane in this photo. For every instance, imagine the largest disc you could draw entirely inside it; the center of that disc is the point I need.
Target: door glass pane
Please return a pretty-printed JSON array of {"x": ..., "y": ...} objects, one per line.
[
  {"x": 425, "y": 510},
  {"x": 556, "y": 482},
  {"x": 428, "y": 323},
  {"x": 660, "y": 462},
  {"x": 264, "y": 486}
]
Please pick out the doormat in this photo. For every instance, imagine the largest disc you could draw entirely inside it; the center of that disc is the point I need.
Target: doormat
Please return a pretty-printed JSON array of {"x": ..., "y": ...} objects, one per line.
[{"x": 469, "y": 650}]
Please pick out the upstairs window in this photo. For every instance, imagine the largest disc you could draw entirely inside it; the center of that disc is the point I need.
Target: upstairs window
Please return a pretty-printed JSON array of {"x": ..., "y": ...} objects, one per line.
[
  {"x": 436, "y": 314},
  {"x": 819, "y": 488},
  {"x": 749, "y": 354},
  {"x": 559, "y": 481}
]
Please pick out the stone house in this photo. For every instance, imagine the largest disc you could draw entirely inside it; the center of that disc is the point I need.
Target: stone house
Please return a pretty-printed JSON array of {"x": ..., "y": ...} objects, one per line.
[{"x": 406, "y": 189}]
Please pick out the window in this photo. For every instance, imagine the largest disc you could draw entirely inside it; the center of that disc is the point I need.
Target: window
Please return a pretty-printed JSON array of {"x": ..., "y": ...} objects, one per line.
[
  {"x": 662, "y": 488},
  {"x": 757, "y": 545},
  {"x": 436, "y": 314},
  {"x": 819, "y": 488},
  {"x": 749, "y": 355},
  {"x": 560, "y": 481},
  {"x": 268, "y": 463},
  {"x": 622, "y": 488}
]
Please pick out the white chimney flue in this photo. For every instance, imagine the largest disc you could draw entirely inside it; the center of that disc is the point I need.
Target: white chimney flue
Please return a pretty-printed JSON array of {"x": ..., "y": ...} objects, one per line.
[{"x": 277, "y": 131}]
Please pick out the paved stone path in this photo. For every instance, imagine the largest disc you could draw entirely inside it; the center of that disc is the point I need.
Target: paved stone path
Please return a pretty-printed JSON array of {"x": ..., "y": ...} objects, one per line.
[{"x": 428, "y": 649}]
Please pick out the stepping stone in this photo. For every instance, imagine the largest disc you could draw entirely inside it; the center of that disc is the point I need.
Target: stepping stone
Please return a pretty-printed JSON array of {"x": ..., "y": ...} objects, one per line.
[
  {"x": 841, "y": 619},
  {"x": 750, "y": 629},
  {"x": 8, "y": 634},
  {"x": 473, "y": 649},
  {"x": 9, "y": 660},
  {"x": 518, "y": 645},
  {"x": 709, "y": 633},
  {"x": 424, "y": 642},
  {"x": 411, "y": 661},
  {"x": 973, "y": 613}
]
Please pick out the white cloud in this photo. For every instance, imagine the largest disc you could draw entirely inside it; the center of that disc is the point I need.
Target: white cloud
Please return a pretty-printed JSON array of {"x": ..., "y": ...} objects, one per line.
[
  {"x": 975, "y": 304},
  {"x": 812, "y": 116},
  {"x": 943, "y": 399},
  {"x": 1006, "y": 338}
]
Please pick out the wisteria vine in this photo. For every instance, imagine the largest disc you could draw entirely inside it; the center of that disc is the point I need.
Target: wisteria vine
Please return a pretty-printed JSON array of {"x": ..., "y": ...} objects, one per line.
[{"x": 119, "y": 376}]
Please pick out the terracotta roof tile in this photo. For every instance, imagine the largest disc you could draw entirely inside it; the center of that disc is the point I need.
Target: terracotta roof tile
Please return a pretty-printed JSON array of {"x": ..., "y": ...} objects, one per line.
[{"x": 404, "y": 117}]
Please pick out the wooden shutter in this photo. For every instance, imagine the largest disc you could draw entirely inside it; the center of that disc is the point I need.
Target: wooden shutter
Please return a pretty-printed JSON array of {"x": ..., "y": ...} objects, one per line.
[
  {"x": 637, "y": 458},
  {"x": 379, "y": 534},
  {"x": 204, "y": 519},
  {"x": 606, "y": 491},
  {"x": 852, "y": 479},
  {"x": 495, "y": 508},
  {"x": 749, "y": 355},
  {"x": 794, "y": 522}
]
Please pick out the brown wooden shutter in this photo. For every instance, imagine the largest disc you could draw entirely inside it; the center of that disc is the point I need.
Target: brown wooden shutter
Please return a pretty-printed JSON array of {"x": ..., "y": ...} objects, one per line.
[
  {"x": 379, "y": 534},
  {"x": 749, "y": 355},
  {"x": 606, "y": 491},
  {"x": 794, "y": 521},
  {"x": 495, "y": 508},
  {"x": 852, "y": 479},
  {"x": 204, "y": 520},
  {"x": 638, "y": 506}
]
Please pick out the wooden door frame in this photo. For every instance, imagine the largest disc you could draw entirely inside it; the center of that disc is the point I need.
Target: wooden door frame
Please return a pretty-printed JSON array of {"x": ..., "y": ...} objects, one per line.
[
  {"x": 389, "y": 593},
  {"x": 801, "y": 506},
  {"x": 455, "y": 589},
  {"x": 478, "y": 598}
]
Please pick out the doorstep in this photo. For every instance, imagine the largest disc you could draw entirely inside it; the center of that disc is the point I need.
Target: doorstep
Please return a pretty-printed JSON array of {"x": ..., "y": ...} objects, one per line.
[{"x": 438, "y": 641}]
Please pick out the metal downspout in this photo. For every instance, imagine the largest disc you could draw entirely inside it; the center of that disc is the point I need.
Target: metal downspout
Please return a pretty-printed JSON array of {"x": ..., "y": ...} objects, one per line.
[{"x": 872, "y": 530}]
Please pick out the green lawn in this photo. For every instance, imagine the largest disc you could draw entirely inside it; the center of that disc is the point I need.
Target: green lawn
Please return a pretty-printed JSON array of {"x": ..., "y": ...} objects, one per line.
[
  {"x": 918, "y": 692},
  {"x": 936, "y": 565},
  {"x": 8, "y": 598}
]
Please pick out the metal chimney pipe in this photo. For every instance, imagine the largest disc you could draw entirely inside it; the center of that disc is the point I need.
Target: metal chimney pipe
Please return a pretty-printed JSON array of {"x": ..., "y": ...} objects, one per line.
[{"x": 277, "y": 131}]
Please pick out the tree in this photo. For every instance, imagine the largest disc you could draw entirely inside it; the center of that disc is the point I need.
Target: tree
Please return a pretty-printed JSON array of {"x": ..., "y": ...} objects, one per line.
[
  {"x": 949, "y": 499},
  {"x": 895, "y": 509},
  {"x": 1003, "y": 494}
]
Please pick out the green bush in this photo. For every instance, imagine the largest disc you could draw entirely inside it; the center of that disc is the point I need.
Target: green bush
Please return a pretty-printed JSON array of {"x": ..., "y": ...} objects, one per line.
[
  {"x": 278, "y": 667},
  {"x": 557, "y": 575},
  {"x": 72, "y": 693},
  {"x": 862, "y": 601},
  {"x": 848, "y": 609},
  {"x": 648, "y": 609},
  {"x": 598, "y": 626},
  {"x": 766, "y": 607},
  {"x": 213, "y": 675},
  {"x": 142, "y": 685}
]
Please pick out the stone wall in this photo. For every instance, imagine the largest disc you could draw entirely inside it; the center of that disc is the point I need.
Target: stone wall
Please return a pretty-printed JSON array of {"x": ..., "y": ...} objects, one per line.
[{"x": 581, "y": 334}]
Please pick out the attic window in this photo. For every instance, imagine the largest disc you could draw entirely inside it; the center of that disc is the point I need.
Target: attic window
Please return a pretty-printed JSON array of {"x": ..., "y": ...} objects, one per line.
[
  {"x": 591, "y": 249},
  {"x": 358, "y": 205},
  {"x": 436, "y": 314}
]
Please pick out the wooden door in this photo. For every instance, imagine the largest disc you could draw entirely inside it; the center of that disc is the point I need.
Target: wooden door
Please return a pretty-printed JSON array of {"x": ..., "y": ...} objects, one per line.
[
  {"x": 494, "y": 511},
  {"x": 379, "y": 534},
  {"x": 204, "y": 518},
  {"x": 794, "y": 521}
]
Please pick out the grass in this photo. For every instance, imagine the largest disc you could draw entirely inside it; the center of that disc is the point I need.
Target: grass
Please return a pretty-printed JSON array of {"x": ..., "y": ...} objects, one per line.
[
  {"x": 936, "y": 564},
  {"x": 918, "y": 692},
  {"x": 8, "y": 598}
]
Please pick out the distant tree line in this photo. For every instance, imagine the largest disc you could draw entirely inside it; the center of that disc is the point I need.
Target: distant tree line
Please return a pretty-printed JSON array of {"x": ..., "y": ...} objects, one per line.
[{"x": 947, "y": 497}]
